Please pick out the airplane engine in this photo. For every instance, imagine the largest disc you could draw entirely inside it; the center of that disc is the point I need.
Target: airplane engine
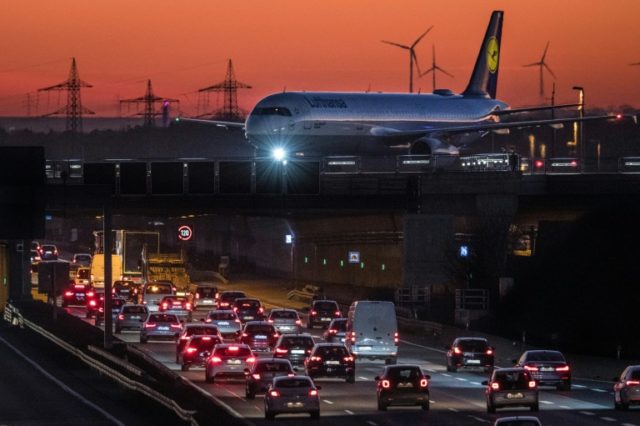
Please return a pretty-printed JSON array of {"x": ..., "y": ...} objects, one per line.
[{"x": 432, "y": 146}]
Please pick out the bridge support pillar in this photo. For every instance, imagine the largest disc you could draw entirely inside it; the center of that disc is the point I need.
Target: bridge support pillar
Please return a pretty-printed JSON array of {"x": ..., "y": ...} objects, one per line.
[
  {"x": 428, "y": 241},
  {"x": 19, "y": 269}
]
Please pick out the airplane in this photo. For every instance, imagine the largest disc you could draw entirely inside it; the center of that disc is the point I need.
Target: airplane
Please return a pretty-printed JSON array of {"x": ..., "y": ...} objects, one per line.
[{"x": 292, "y": 124}]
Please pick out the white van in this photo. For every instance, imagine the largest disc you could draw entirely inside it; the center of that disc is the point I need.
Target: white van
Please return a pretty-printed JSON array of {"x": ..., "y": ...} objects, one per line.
[{"x": 372, "y": 330}]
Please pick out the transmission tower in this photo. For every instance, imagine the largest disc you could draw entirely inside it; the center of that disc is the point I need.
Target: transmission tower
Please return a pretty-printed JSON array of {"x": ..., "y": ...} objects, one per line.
[
  {"x": 149, "y": 101},
  {"x": 230, "y": 86},
  {"x": 74, "y": 109}
]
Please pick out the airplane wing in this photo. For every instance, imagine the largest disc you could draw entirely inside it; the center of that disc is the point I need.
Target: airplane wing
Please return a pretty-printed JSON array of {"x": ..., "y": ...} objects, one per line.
[{"x": 227, "y": 124}]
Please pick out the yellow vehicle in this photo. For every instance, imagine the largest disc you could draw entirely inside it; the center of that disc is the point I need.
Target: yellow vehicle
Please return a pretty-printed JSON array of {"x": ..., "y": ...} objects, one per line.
[{"x": 97, "y": 269}]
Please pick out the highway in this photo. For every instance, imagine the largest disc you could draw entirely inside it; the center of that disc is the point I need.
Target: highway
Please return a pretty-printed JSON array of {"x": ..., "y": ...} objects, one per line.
[{"x": 456, "y": 398}]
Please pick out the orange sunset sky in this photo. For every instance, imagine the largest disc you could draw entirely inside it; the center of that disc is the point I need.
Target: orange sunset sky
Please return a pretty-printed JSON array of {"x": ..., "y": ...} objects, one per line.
[{"x": 308, "y": 45}]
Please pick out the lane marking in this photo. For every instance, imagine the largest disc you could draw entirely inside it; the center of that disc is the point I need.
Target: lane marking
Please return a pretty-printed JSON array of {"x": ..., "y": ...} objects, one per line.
[
  {"x": 362, "y": 378},
  {"x": 446, "y": 375},
  {"x": 566, "y": 407},
  {"x": 548, "y": 402},
  {"x": 430, "y": 370},
  {"x": 628, "y": 424},
  {"x": 599, "y": 390},
  {"x": 476, "y": 383},
  {"x": 587, "y": 413},
  {"x": 349, "y": 412},
  {"x": 455, "y": 410},
  {"x": 608, "y": 419},
  {"x": 423, "y": 347},
  {"x": 327, "y": 401},
  {"x": 461, "y": 379},
  {"x": 61, "y": 384},
  {"x": 578, "y": 386},
  {"x": 481, "y": 420},
  {"x": 372, "y": 423}
]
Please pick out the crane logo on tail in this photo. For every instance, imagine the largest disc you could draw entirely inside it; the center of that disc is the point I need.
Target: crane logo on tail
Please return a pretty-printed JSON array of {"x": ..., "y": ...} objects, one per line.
[{"x": 492, "y": 55}]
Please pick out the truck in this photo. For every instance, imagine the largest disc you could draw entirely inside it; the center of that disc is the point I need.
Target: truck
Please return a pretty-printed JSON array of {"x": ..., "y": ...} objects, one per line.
[
  {"x": 127, "y": 246},
  {"x": 97, "y": 269},
  {"x": 168, "y": 267}
]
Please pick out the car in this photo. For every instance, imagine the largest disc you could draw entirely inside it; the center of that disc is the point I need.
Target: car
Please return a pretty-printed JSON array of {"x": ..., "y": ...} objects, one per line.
[
  {"x": 227, "y": 297},
  {"x": 227, "y": 322},
  {"x": 547, "y": 367},
  {"x": 248, "y": 309},
  {"x": 93, "y": 299},
  {"x": 160, "y": 326},
  {"x": 81, "y": 259},
  {"x": 292, "y": 394},
  {"x": 294, "y": 347},
  {"x": 131, "y": 317},
  {"x": 127, "y": 289},
  {"x": 195, "y": 329},
  {"x": 153, "y": 292},
  {"x": 402, "y": 385},
  {"x": 331, "y": 360},
  {"x": 336, "y": 331},
  {"x": 286, "y": 320},
  {"x": 469, "y": 352},
  {"x": 82, "y": 276},
  {"x": 49, "y": 252},
  {"x": 322, "y": 312},
  {"x": 259, "y": 335},
  {"x": 511, "y": 387},
  {"x": 228, "y": 360},
  {"x": 116, "y": 304},
  {"x": 517, "y": 421},
  {"x": 77, "y": 294},
  {"x": 261, "y": 374},
  {"x": 34, "y": 256},
  {"x": 179, "y": 305},
  {"x": 205, "y": 296},
  {"x": 626, "y": 390},
  {"x": 196, "y": 351},
  {"x": 35, "y": 245}
]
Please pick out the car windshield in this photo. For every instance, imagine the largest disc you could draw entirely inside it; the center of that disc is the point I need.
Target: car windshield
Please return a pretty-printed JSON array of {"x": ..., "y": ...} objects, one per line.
[
  {"x": 232, "y": 295},
  {"x": 294, "y": 383},
  {"x": 325, "y": 306},
  {"x": 163, "y": 318},
  {"x": 332, "y": 350},
  {"x": 284, "y": 315},
  {"x": 201, "y": 330},
  {"x": 635, "y": 375},
  {"x": 297, "y": 341},
  {"x": 259, "y": 329},
  {"x": 83, "y": 258},
  {"x": 545, "y": 356},
  {"x": 216, "y": 316},
  {"x": 247, "y": 304},
  {"x": 204, "y": 342},
  {"x": 339, "y": 325},
  {"x": 206, "y": 292},
  {"x": 134, "y": 310},
  {"x": 512, "y": 379},
  {"x": 158, "y": 288},
  {"x": 404, "y": 373},
  {"x": 233, "y": 351},
  {"x": 472, "y": 345},
  {"x": 273, "y": 367}
]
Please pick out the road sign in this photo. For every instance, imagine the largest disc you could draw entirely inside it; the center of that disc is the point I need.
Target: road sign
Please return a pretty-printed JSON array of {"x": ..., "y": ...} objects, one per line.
[
  {"x": 354, "y": 257},
  {"x": 185, "y": 233}
]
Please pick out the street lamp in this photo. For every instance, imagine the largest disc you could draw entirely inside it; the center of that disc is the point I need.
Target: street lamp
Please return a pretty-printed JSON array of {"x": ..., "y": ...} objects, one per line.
[{"x": 581, "y": 128}]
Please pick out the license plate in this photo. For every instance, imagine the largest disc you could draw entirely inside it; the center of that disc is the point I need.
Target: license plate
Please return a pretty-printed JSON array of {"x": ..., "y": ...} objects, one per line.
[
  {"x": 234, "y": 361},
  {"x": 135, "y": 317},
  {"x": 163, "y": 328},
  {"x": 248, "y": 318},
  {"x": 223, "y": 323},
  {"x": 546, "y": 369},
  {"x": 260, "y": 337},
  {"x": 295, "y": 404},
  {"x": 405, "y": 385},
  {"x": 80, "y": 295},
  {"x": 473, "y": 361},
  {"x": 332, "y": 362},
  {"x": 297, "y": 351},
  {"x": 515, "y": 395},
  {"x": 364, "y": 348},
  {"x": 325, "y": 319}
]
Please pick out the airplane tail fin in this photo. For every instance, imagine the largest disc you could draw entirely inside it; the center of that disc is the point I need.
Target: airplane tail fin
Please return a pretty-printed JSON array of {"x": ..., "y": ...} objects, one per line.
[{"x": 484, "y": 80}]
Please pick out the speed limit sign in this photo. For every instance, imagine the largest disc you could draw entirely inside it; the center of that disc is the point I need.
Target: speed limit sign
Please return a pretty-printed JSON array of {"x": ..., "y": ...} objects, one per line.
[{"x": 185, "y": 233}]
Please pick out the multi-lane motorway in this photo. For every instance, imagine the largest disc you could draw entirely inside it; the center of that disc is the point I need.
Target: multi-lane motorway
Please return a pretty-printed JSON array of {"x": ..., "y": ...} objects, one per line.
[{"x": 456, "y": 398}]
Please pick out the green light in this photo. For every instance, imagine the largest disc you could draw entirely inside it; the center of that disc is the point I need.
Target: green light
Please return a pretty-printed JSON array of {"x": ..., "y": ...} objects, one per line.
[
  {"x": 361, "y": 265},
  {"x": 306, "y": 259},
  {"x": 383, "y": 267},
  {"x": 342, "y": 263},
  {"x": 324, "y": 262}
]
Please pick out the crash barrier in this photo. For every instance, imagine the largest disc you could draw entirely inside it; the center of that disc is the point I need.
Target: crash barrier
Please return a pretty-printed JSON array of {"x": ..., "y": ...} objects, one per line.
[
  {"x": 306, "y": 294},
  {"x": 13, "y": 316}
]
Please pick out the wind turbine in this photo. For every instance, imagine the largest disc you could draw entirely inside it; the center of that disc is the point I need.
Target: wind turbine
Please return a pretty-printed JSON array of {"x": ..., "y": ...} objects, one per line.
[
  {"x": 434, "y": 68},
  {"x": 412, "y": 55},
  {"x": 542, "y": 64}
]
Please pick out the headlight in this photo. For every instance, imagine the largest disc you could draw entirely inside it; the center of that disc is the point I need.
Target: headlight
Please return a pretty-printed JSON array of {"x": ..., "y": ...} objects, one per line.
[{"x": 279, "y": 154}]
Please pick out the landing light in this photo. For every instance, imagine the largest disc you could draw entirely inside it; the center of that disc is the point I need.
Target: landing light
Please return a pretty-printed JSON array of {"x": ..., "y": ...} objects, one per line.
[{"x": 279, "y": 154}]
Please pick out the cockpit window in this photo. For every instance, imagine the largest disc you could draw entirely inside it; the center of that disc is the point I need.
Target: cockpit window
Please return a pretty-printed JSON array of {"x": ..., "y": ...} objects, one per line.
[{"x": 272, "y": 111}]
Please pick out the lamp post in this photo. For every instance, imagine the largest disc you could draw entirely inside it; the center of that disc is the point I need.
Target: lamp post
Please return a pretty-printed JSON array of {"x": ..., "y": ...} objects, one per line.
[{"x": 580, "y": 150}]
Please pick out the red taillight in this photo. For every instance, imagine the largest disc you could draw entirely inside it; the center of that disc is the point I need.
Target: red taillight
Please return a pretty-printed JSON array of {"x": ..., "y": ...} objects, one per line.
[
  {"x": 92, "y": 303},
  {"x": 313, "y": 392},
  {"x": 256, "y": 376},
  {"x": 298, "y": 322},
  {"x": 313, "y": 313},
  {"x": 489, "y": 352},
  {"x": 215, "y": 360},
  {"x": 532, "y": 384},
  {"x": 332, "y": 331},
  {"x": 632, "y": 383},
  {"x": 150, "y": 325},
  {"x": 90, "y": 294},
  {"x": 206, "y": 338},
  {"x": 78, "y": 287},
  {"x": 191, "y": 350},
  {"x": 539, "y": 164},
  {"x": 235, "y": 348},
  {"x": 245, "y": 334},
  {"x": 274, "y": 393},
  {"x": 348, "y": 358},
  {"x": 208, "y": 320},
  {"x": 164, "y": 306},
  {"x": 176, "y": 326},
  {"x": 237, "y": 320},
  {"x": 282, "y": 350},
  {"x": 121, "y": 317},
  {"x": 69, "y": 293},
  {"x": 338, "y": 313},
  {"x": 563, "y": 368},
  {"x": 495, "y": 386},
  {"x": 531, "y": 368},
  {"x": 316, "y": 358},
  {"x": 251, "y": 359},
  {"x": 275, "y": 335},
  {"x": 424, "y": 383},
  {"x": 261, "y": 310},
  {"x": 188, "y": 306},
  {"x": 386, "y": 384},
  {"x": 270, "y": 320},
  {"x": 573, "y": 163},
  {"x": 353, "y": 337},
  {"x": 197, "y": 295},
  {"x": 396, "y": 339},
  {"x": 457, "y": 350}
]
